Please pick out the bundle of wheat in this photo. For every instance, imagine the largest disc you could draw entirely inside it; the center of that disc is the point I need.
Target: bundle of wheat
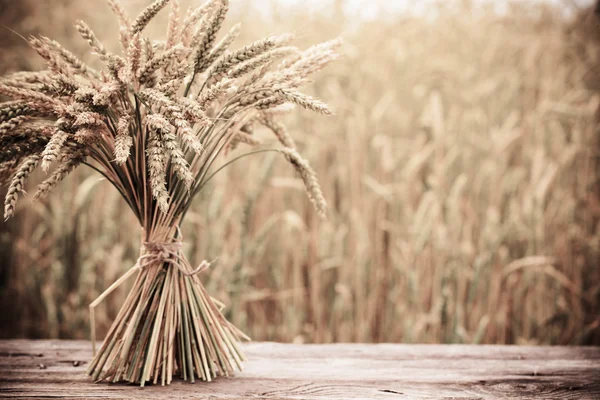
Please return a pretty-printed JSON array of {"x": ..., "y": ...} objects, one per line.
[{"x": 153, "y": 122}]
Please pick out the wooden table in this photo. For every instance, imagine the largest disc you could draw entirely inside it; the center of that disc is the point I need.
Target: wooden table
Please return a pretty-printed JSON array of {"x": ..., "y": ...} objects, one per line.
[{"x": 55, "y": 369}]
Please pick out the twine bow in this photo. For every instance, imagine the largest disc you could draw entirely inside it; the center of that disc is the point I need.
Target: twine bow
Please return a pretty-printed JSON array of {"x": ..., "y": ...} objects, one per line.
[{"x": 151, "y": 253}]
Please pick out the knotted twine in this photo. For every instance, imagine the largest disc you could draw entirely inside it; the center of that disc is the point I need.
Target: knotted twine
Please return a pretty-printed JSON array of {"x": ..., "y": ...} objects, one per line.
[{"x": 168, "y": 253}]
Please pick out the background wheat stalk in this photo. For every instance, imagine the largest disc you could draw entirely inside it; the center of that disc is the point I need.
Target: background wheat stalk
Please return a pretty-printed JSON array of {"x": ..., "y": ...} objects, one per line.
[{"x": 154, "y": 122}]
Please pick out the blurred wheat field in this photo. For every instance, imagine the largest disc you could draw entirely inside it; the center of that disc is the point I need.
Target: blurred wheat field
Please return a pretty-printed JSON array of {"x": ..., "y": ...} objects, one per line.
[{"x": 461, "y": 169}]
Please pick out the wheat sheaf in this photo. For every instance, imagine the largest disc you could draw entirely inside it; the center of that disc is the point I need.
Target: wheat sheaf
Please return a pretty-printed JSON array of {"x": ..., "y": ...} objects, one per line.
[{"x": 154, "y": 121}]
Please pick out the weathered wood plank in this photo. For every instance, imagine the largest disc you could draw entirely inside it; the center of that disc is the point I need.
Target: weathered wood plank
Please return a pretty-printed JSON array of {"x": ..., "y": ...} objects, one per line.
[{"x": 55, "y": 369}]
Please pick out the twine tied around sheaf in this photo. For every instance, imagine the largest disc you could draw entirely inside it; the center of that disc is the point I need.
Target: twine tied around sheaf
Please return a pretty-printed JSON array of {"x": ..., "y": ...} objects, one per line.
[
  {"x": 158, "y": 252},
  {"x": 151, "y": 253}
]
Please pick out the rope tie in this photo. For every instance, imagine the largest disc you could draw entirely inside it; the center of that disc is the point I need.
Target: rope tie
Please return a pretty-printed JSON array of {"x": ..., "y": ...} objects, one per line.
[{"x": 170, "y": 253}]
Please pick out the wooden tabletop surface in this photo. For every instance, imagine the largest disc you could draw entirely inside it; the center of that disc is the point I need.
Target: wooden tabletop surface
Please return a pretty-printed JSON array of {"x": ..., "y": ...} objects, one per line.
[{"x": 55, "y": 369}]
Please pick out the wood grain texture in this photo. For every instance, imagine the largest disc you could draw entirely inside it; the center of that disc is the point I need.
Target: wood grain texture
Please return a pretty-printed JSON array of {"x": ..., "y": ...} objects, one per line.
[{"x": 55, "y": 369}]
